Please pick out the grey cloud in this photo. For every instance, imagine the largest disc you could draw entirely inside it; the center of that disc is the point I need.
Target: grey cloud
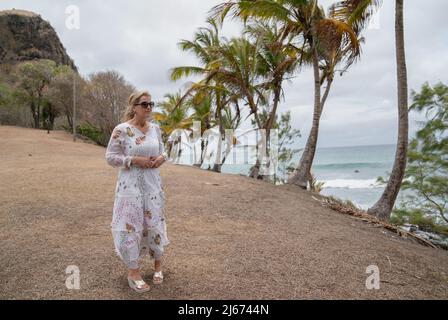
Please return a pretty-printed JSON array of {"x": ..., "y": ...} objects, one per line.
[{"x": 139, "y": 39}]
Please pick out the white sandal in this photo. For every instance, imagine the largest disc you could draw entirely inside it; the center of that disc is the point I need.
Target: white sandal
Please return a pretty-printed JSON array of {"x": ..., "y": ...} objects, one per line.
[
  {"x": 157, "y": 278},
  {"x": 138, "y": 285}
]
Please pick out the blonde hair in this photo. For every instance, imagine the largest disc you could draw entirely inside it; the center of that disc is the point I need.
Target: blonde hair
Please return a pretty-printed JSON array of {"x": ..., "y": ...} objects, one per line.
[{"x": 132, "y": 100}]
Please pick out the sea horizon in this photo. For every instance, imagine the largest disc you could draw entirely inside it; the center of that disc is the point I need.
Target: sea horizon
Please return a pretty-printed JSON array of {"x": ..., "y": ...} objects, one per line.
[{"x": 348, "y": 172}]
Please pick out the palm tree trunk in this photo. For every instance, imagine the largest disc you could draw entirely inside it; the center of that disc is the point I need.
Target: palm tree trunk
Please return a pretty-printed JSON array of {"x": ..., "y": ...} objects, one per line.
[
  {"x": 217, "y": 166},
  {"x": 229, "y": 146},
  {"x": 300, "y": 176},
  {"x": 383, "y": 207},
  {"x": 271, "y": 118},
  {"x": 255, "y": 170},
  {"x": 253, "y": 107},
  {"x": 201, "y": 159},
  {"x": 326, "y": 93}
]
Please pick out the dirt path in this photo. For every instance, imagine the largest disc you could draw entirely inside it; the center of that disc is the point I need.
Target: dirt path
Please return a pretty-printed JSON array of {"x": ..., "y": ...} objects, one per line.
[{"x": 231, "y": 237}]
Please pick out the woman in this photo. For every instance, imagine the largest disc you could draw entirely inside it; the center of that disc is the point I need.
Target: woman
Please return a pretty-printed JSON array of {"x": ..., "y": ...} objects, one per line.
[{"x": 138, "y": 223}]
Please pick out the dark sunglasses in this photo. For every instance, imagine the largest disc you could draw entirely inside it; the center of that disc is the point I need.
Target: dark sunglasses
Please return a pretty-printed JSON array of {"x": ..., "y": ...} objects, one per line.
[{"x": 145, "y": 105}]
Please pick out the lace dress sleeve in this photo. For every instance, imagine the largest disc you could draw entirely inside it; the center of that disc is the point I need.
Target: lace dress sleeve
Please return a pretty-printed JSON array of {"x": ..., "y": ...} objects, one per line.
[{"x": 115, "y": 155}]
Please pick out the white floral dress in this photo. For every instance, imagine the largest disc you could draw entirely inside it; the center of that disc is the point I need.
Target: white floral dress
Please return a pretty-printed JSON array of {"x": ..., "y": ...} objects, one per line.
[{"x": 138, "y": 222}]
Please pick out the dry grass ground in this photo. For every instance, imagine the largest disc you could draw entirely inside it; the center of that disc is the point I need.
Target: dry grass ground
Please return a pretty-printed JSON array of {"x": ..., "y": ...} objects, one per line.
[{"x": 231, "y": 237}]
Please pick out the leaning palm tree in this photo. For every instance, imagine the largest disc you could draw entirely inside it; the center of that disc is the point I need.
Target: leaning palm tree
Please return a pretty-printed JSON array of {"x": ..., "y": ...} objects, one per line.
[
  {"x": 332, "y": 43},
  {"x": 383, "y": 207},
  {"x": 278, "y": 60},
  {"x": 319, "y": 38},
  {"x": 239, "y": 71},
  {"x": 201, "y": 104},
  {"x": 358, "y": 12},
  {"x": 277, "y": 56},
  {"x": 172, "y": 115},
  {"x": 230, "y": 119},
  {"x": 204, "y": 40},
  {"x": 206, "y": 46}
]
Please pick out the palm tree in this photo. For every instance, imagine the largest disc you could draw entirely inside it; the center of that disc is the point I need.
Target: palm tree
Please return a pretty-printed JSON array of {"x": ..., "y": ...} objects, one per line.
[
  {"x": 383, "y": 207},
  {"x": 173, "y": 115},
  {"x": 320, "y": 39},
  {"x": 230, "y": 72},
  {"x": 229, "y": 120},
  {"x": 206, "y": 46},
  {"x": 239, "y": 70},
  {"x": 201, "y": 104},
  {"x": 204, "y": 40},
  {"x": 278, "y": 60},
  {"x": 238, "y": 73},
  {"x": 332, "y": 42},
  {"x": 358, "y": 12}
]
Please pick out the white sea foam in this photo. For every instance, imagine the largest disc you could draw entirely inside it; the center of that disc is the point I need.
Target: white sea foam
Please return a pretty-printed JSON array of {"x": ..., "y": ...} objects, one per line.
[{"x": 352, "y": 184}]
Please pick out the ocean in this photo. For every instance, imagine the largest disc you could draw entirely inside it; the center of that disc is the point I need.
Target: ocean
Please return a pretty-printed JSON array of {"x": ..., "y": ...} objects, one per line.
[{"x": 349, "y": 173}]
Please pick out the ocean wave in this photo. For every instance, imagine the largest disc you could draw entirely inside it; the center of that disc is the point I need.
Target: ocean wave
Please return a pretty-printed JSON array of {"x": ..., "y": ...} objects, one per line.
[
  {"x": 352, "y": 184},
  {"x": 351, "y": 165}
]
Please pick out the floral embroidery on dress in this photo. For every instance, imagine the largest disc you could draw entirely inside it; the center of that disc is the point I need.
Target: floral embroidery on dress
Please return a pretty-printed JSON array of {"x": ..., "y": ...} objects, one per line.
[
  {"x": 157, "y": 239},
  {"x": 139, "y": 140},
  {"x": 130, "y": 228},
  {"x": 148, "y": 214},
  {"x": 116, "y": 134},
  {"x": 129, "y": 132}
]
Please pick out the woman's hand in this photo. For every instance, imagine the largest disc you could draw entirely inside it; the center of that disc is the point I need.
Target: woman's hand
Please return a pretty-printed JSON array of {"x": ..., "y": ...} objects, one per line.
[
  {"x": 142, "y": 162},
  {"x": 157, "y": 161},
  {"x": 148, "y": 162}
]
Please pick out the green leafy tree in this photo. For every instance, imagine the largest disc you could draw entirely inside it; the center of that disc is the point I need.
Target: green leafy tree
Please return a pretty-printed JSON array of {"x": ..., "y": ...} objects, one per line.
[
  {"x": 427, "y": 170},
  {"x": 61, "y": 92},
  {"x": 286, "y": 136},
  {"x": 33, "y": 78},
  {"x": 7, "y": 114}
]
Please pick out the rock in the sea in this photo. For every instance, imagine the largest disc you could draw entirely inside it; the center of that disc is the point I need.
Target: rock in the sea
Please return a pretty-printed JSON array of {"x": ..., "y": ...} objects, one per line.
[{"x": 25, "y": 36}]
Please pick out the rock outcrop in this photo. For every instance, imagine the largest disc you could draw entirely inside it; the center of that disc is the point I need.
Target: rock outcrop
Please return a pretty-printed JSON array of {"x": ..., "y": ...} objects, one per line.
[{"x": 25, "y": 36}]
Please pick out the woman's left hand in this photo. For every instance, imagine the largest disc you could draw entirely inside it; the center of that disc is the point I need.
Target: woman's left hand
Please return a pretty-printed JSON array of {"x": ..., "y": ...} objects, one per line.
[{"x": 157, "y": 161}]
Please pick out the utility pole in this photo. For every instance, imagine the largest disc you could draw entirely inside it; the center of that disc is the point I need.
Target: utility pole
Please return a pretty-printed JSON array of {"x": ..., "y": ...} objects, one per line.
[{"x": 74, "y": 108}]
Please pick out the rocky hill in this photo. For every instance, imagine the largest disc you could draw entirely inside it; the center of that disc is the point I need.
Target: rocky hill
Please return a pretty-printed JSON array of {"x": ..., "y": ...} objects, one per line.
[{"x": 24, "y": 36}]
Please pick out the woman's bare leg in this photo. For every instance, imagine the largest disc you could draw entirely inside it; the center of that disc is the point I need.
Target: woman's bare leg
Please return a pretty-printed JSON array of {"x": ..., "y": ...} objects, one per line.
[{"x": 158, "y": 265}]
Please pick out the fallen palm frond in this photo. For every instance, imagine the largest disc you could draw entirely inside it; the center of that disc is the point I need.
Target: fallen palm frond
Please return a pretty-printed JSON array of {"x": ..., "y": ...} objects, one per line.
[{"x": 350, "y": 209}]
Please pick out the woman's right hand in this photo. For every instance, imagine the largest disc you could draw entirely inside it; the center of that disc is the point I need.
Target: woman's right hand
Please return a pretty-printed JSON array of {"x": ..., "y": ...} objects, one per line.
[{"x": 142, "y": 162}]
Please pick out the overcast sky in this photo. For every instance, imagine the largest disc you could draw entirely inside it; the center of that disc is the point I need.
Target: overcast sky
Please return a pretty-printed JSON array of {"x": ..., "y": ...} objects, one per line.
[{"x": 139, "y": 39}]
